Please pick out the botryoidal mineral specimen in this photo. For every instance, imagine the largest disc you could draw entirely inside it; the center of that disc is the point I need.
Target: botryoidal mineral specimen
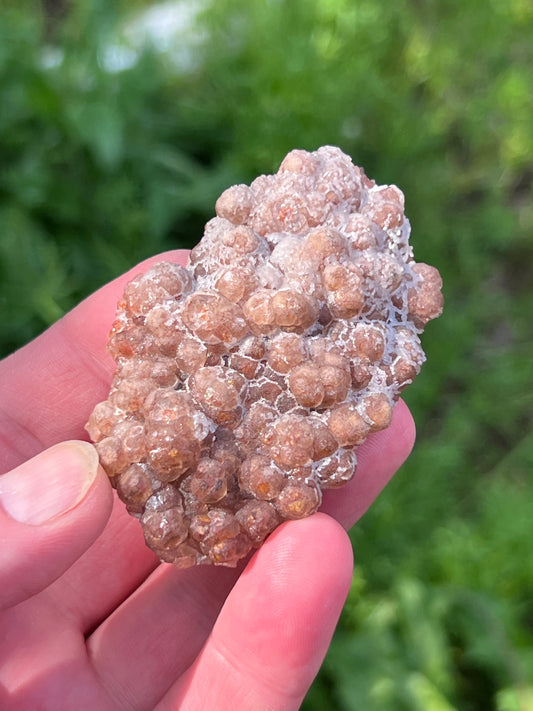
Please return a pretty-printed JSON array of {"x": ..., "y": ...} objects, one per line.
[{"x": 246, "y": 381}]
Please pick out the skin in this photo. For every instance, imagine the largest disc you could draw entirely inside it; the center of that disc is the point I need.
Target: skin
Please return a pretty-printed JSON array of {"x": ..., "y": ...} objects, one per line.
[{"x": 89, "y": 618}]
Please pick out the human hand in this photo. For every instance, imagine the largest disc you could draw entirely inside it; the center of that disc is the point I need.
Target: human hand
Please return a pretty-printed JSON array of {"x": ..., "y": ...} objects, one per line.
[{"x": 89, "y": 618}]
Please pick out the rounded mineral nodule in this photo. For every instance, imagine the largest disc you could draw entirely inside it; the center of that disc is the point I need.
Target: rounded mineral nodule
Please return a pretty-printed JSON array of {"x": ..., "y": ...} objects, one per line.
[{"x": 246, "y": 381}]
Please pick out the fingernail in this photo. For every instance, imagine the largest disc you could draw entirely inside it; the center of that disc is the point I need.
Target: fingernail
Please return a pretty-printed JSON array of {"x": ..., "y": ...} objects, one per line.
[{"x": 50, "y": 484}]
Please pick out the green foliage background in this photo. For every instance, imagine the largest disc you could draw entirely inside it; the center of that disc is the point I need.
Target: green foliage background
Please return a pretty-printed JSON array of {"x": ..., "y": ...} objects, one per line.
[{"x": 101, "y": 167}]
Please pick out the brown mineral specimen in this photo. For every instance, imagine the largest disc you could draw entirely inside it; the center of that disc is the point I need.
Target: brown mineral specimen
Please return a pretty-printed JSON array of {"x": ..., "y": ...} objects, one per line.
[{"x": 245, "y": 381}]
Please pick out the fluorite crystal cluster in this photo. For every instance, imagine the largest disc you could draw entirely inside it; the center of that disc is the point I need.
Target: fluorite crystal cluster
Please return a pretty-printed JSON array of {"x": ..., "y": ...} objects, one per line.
[{"x": 246, "y": 381}]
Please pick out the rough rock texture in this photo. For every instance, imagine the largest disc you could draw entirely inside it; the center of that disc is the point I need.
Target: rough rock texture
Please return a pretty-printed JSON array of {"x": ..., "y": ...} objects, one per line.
[{"x": 246, "y": 381}]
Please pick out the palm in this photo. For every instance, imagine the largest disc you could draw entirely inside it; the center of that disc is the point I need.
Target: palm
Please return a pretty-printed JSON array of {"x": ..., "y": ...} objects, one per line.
[{"x": 119, "y": 631}]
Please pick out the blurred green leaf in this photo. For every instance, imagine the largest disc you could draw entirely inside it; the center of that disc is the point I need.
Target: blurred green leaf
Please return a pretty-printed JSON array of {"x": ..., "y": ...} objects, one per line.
[{"x": 103, "y": 166}]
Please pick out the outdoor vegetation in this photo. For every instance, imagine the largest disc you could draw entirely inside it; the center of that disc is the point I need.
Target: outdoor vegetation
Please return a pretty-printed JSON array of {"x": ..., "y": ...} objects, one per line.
[{"x": 115, "y": 143}]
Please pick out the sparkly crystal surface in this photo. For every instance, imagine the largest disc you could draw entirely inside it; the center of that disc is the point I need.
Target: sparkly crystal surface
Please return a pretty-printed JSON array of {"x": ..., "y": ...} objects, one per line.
[{"x": 246, "y": 381}]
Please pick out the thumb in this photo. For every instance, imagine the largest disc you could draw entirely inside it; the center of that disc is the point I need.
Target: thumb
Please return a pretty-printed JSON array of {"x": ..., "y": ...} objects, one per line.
[{"x": 52, "y": 508}]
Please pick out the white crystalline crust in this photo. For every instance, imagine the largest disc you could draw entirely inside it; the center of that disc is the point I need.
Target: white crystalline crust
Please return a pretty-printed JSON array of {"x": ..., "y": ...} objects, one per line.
[{"x": 246, "y": 381}]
